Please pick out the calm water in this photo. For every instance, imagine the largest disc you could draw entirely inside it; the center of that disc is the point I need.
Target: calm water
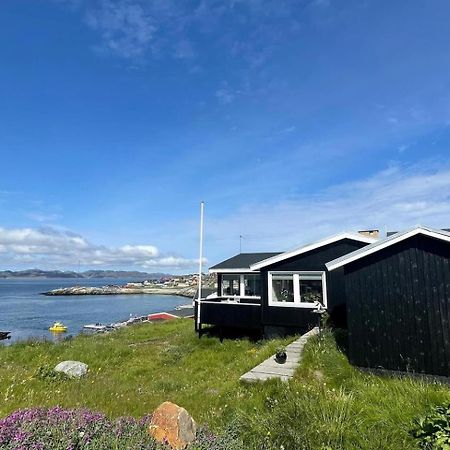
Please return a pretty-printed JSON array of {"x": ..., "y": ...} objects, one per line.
[{"x": 27, "y": 313}]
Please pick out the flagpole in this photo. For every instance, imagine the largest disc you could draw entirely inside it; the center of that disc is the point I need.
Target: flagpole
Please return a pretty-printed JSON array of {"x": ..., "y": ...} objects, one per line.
[{"x": 202, "y": 206}]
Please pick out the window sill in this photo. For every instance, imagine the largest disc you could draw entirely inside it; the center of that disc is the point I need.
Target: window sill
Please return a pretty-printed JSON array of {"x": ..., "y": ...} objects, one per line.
[{"x": 294, "y": 305}]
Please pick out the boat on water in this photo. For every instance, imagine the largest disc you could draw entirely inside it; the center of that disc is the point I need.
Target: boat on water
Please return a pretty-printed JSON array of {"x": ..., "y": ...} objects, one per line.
[
  {"x": 181, "y": 307},
  {"x": 5, "y": 335},
  {"x": 98, "y": 327},
  {"x": 58, "y": 327}
]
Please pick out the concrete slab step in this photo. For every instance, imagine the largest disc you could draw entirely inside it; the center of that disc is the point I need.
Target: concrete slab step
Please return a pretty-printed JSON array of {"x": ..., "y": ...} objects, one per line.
[
  {"x": 274, "y": 371},
  {"x": 274, "y": 364},
  {"x": 271, "y": 369},
  {"x": 255, "y": 377}
]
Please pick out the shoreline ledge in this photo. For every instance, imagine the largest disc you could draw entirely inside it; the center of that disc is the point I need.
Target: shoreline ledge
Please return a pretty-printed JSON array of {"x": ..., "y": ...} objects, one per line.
[{"x": 121, "y": 290}]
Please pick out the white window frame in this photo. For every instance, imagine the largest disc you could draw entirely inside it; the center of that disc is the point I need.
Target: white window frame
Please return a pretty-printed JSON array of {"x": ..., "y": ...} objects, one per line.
[
  {"x": 241, "y": 286},
  {"x": 297, "y": 276}
]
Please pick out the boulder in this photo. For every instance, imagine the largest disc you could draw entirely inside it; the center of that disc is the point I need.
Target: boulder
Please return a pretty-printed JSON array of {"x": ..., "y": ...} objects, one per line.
[
  {"x": 74, "y": 369},
  {"x": 171, "y": 424}
]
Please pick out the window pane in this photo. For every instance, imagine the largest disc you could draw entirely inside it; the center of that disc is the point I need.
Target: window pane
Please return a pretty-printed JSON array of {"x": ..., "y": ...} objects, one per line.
[
  {"x": 252, "y": 285},
  {"x": 311, "y": 290},
  {"x": 283, "y": 288},
  {"x": 230, "y": 285}
]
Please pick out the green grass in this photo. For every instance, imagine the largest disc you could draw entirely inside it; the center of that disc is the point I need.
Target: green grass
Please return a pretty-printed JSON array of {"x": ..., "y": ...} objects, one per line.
[
  {"x": 133, "y": 370},
  {"x": 329, "y": 404}
]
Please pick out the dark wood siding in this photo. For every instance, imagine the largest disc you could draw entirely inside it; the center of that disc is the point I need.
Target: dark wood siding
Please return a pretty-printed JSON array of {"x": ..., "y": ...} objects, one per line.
[
  {"x": 398, "y": 307},
  {"x": 314, "y": 260},
  {"x": 298, "y": 318},
  {"x": 231, "y": 315},
  {"x": 219, "y": 283}
]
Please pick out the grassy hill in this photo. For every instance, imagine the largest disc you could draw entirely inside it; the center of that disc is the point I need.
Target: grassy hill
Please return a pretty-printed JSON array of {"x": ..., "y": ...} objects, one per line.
[{"x": 329, "y": 404}]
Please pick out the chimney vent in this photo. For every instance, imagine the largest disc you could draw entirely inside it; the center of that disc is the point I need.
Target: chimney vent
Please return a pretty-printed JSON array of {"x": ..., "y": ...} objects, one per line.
[{"x": 370, "y": 233}]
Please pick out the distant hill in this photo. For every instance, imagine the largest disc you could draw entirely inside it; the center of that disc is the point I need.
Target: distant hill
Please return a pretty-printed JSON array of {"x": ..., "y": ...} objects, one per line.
[
  {"x": 121, "y": 274},
  {"x": 37, "y": 273}
]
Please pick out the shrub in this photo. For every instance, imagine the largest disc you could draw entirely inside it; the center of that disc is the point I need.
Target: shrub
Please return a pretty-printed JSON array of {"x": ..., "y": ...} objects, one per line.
[
  {"x": 81, "y": 429},
  {"x": 46, "y": 373},
  {"x": 71, "y": 429},
  {"x": 228, "y": 440},
  {"x": 433, "y": 430}
]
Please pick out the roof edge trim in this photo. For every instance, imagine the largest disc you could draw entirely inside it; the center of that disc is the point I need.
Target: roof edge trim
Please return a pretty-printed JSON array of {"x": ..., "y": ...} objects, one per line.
[
  {"x": 387, "y": 242},
  {"x": 313, "y": 246}
]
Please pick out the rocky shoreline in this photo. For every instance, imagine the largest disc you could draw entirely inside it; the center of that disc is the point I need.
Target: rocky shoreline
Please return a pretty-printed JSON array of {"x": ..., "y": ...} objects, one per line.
[{"x": 123, "y": 290}]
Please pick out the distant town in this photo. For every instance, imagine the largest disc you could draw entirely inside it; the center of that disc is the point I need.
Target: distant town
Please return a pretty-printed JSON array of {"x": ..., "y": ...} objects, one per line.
[{"x": 183, "y": 285}]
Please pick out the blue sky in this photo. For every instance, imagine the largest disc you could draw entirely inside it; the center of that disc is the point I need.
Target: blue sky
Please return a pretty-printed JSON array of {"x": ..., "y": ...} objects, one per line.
[{"x": 292, "y": 120}]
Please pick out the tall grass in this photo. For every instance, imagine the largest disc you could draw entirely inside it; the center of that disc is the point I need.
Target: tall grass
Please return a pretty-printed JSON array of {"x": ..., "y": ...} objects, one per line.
[
  {"x": 332, "y": 405},
  {"x": 328, "y": 405},
  {"x": 132, "y": 371}
]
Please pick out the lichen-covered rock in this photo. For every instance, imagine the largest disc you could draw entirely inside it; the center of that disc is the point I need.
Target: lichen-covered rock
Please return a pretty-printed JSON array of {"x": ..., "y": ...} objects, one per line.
[
  {"x": 74, "y": 369},
  {"x": 173, "y": 425}
]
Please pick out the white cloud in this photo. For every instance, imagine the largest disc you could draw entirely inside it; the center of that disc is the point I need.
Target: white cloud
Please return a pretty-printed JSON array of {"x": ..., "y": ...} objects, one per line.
[
  {"x": 125, "y": 27},
  {"x": 137, "y": 28},
  {"x": 226, "y": 94},
  {"x": 52, "y": 248},
  {"x": 394, "y": 199}
]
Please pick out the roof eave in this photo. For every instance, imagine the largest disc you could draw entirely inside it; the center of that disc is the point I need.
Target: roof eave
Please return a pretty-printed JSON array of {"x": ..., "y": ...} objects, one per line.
[{"x": 236, "y": 270}]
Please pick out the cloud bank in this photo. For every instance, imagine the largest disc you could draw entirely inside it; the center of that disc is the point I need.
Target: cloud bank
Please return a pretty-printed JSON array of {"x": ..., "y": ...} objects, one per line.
[
  {"x": 393, "y": 199},
  {"x": 53, "y": 248}
]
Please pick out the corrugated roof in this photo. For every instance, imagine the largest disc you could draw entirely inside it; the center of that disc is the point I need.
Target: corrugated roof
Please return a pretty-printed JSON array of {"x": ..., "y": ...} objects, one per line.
[{"x": 242, "y": 261}]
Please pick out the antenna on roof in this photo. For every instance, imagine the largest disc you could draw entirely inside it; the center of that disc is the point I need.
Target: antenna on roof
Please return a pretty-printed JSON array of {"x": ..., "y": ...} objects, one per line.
[{"x": 240, "y": 243}]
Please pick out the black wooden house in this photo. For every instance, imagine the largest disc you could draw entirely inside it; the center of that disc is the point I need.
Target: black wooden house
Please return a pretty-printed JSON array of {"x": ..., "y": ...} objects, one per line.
[
  {"x": 276, "y": 293},
  {"x": 398, "y": 302}
]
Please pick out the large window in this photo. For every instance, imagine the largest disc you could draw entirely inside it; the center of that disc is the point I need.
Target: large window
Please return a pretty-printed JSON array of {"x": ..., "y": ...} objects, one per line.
[
  {"x": 242, "y": 285},
  {"x": 301, "y": 289},
  {"x": 252, "y": 285},
  {"x": 231, "y": 285},
  {"x": 283, "y": 288}
]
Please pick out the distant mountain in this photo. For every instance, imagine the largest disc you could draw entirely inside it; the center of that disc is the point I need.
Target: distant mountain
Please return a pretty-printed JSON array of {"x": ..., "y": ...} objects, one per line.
[
  {"x": 37, "y": 273},
  {"x": 121, "y": 274}
]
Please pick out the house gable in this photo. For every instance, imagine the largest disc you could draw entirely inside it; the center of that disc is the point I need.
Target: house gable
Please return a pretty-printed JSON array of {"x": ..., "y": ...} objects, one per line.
[
  {"x": 311, "y": 247},
  {"x": 441, "y": 235},
  {"x": 397, "y": 302}
]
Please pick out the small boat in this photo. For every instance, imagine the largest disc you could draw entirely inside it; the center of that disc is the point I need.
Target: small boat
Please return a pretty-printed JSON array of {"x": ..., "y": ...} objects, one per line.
[
  {"x": 5, "y": 335},
  {"x": 95, "y": 327},
  {"x": 179, "y": 308},
  {"x": 58, "y": 327}
]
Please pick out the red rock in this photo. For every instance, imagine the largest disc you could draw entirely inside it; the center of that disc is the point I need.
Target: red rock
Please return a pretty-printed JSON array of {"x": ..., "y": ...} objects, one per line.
[{"x": 172, "y": 424}]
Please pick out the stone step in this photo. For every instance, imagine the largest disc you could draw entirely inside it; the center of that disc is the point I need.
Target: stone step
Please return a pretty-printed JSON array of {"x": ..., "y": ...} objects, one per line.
[
  {"x": 269, "y": 368},
  {"x": 255, "y": 377},
  {"x": 274, "y": 370},
  {"x": 273, "y": 364}
]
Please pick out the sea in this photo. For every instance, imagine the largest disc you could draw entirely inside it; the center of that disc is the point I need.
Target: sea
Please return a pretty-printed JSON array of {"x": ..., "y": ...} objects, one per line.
[{"x": 28, "y": 314}]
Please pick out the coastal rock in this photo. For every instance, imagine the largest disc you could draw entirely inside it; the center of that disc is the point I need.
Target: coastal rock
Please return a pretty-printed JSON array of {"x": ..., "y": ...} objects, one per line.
[
  {"x": 122, "y": 290},
  {"x": 74, "y": 369},
  {"x": 173, "y": 425}
]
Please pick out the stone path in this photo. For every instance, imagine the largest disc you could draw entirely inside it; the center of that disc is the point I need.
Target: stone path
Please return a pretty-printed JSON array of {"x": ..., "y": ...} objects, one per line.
[{"x": 271, "y": 369}]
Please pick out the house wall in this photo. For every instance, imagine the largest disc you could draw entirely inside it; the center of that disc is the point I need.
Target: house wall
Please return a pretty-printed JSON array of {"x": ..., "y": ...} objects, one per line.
[
  {"x": 235, "y": 315},
  {"x": 398, "y": 305},
  {"x": 288, "y": 319}
]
